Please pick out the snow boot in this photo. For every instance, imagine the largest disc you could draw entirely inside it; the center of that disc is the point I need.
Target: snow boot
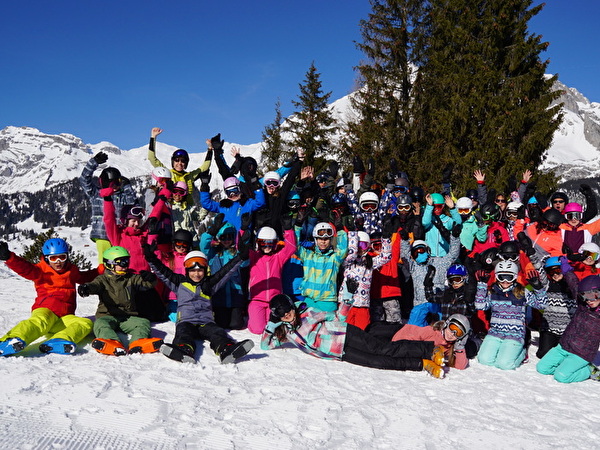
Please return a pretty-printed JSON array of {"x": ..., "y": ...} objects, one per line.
[
  {"x": 11, "y": 346},
  {"x": 434, "y": 369},
  {"x": 595, "y": 375},
  {"x": 109, "y": 347},
  {"x": 60, "y": 346},
  {"x": 438, "y": 355},
  {"x": 182, "y": 353},
  {"x": 229, "y": 353},
  {"x": 145, "y": 345}
]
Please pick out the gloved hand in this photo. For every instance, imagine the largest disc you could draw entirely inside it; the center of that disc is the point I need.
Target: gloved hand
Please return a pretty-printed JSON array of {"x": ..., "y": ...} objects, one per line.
[
  {"x": 4, "y": 251},
  {"x": 83, "y": 290},
  {"x": 301, "y": 216},
  {"x": 525, "y": 243},
  {"x": 100, "y": 157},
  {"x": 349, "y": 222},
  {"x": 152, "y": 225},
  {"x": 564, "y": 265},
  {"x": 447, "y": 173},
  {"x": 388, "y": 227},
  {"x": 459, "y": 344},
  {"x": 371, "y": 167},
  {"x": 246, "y": 221},
  {"x": 217, "y": 143},
  {"x": 428, "y": 281},
  {"x": 149, "y": 250},
  {"x": 357, "y": 165},
  {"x": 533, "y": 278},
  {"x": 585, "y": 189},
  {"x": 403, "y": 233},
  {"x": 456, "y": 230},
  {"x": 205, "y": 177},
  {"x": 478, "y": 219},
  {"x": 287, "y": 222},
  {"x": 147, "y": 276},
  {"x": 216, "y": 225},
  {"x": 352, "y": 285},
  {"x": 333, "y": 168},
  {"x": 482, "y": 276},
  {"x": 272, "y": 326},
  {"x": 244, "y": 245},
  {"x": 497, "y": 236}
]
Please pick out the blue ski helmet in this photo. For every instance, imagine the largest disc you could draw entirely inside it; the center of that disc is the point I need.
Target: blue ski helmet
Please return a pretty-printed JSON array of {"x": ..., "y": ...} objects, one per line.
[
  {"x": 181, "y": 153},
  {"x": 457, "y": 270},
  {"x": 55, "y": 246},
  {"x": 553, "y": 261}
]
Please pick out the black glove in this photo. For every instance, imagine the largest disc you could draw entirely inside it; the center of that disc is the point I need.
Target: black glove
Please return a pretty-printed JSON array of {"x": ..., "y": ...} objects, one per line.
[
  {"x": 388, "y": 228},
  {"x": 152, "y": 225},
  {"x": 482, "y": 276},
  {"x": 533, "y": 278},
  {"x": 403, "y": 234},
  {"x": 525, "y": 243},
  {"x": 149, "y": 250},
  {"x": 585, "y": 189},
  {"x": 286, "y": 222},
  {"x": 124, "y": 181},
  {"x": 478, "y": 219},
  {"x": 371, "y": 167},
  {"x": 301, "y": 216},
  {"x": 147, "y": 276},
  {"x": 333, "y": 168},
  {"x": 393, "y": 169},
  {"x": 447, "y": 173},
  {"x": 349, "y": 222},
  {"x": 428, "y": 281},
  {"x": 216, "y": 225},
  {"x": 244, "y": 245},
  {"x": 338, "y": 223},
  {"x": 497, "y": 236},
  {"x": 217, "y": 143},
  {"x": 101, "y": 157},
  {"x": 575, "y": 257},
  {"x": 357, "y": 165},
  {"x": 456, "y": 230},
  {"x": 352, "y": 285},
  {"x": 4, "y": 251},
  {"x": 83, "y": 290},
  {"x": 205, "y": 177},
  {"x": 246, "y": 221}
]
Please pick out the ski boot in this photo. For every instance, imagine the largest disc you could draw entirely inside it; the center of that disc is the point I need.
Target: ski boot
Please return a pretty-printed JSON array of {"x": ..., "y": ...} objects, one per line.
[
  {"x": 11, "y": 346},
  {"x": 595, "y": 375},
  {"x": 438, "y": 355},
  {"x": 435, "y": 370},
  {"x": 229, "y": 353},
  {"x": 182, "y": 353},
  {"x": 61, "y": 346},
  {"x": 108, "y": 347},
  {"x": 145, "y": 345}
]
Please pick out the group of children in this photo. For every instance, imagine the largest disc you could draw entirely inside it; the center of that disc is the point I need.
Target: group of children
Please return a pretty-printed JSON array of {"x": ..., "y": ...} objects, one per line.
[{"x": 340, "y": 265}]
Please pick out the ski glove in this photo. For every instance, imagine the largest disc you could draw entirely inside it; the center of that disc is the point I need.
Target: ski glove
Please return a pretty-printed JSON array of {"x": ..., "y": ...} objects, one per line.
[
  {"x": 459, "y": 345},
  {"x": 357, "y": 165},
  {"x": 371, "y": 167},
  {"x": 147, "y": 276},
  {"x": 244, "y": 245},
  {"x": 428, "y": 281},
  {"x": 149, "y": 250},
  {"x": 272, "y": 326},
  {"x": 585, "y": 189},
  {"x": 101, "y": 157},
  {"x": 447, "y": 174},
  {"x": 526, "y": 243},
  {"x": 482, "y": 276},
  {"x": 83, "y": 290},
  {"x": 352, "y": 285},
  {"x": 286, "y": 222},
  {"x": 217, "y": 143},
  {"x": 246, "y": 221},
  {"x": 4, "y": 251},
  {"x": 533, "y": 278},
  {"x": 216, "y": 225}
]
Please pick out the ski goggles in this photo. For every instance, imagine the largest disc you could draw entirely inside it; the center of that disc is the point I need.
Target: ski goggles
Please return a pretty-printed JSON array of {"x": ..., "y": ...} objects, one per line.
[
  {"x": 180, "y": 192},
  {"x": 590, "y": 296},
  {"x": 273, "y": 183},
  {"x": 456, "y": 279},
  {"x": 263, "y": 243},
  {"x": 573, "y": 215},
  {"x": 369, "y": 207},
  {"x": 231, "y": 192},
  {"x": 404, "y": 208},
  {"x": 401, "y": 189},
  {"x": 586, "y": 254},
  {"x": 514, "y": 257},
  {"x": 226, "y": 237},
  {"x": 421, "y": 249},
  {"x": 195, "y": 263},
  {"x": 376, "y": 245},
  {"x": 363, "y": 245},
  {"x": 488, "y": 216},
  {"x": 58, "y": 258},
  {"x": 554, "y": 270},
  {"x": 464, "y": 211},
  {"x": 181, "y": 244},
  {"x": 123, "y": 262},
  {"x": 293, "y": 204},
  {"x": 325, "y": 233},
  {"x": 508, "y": 277},
  {"x": 137, "y": 212},
  {"x": 511, "y": 214},
  {"x": 456, "y": 330}
]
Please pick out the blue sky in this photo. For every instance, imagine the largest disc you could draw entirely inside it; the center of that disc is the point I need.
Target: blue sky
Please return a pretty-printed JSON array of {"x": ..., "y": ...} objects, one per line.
[{"x": 111, "y": 70}]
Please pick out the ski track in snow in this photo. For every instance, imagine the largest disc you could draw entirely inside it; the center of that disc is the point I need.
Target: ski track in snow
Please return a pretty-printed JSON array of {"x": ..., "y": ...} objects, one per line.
[{"x": 280, "y": 399}]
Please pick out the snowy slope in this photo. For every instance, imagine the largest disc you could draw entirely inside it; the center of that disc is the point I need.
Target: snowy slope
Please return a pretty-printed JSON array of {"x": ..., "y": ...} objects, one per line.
[{"x": 280, "y": 399}]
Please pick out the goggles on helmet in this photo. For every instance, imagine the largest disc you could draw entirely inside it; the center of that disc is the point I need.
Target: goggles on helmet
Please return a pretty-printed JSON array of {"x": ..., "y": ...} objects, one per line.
[
  {"x": 401, "y": 189},
  {"x": 180, "y": 192},
  {"x": 181, "y": 244},
  {"x": 514, "y": 257},
  {"x": 554, "y": 270},
  {"x": 464, "y": 211},
  {"x": 573, "y": 215},
  {"x": 266, "y": 242},
  {"x": 230, "y": 192},
  {"x": 273, "y": 183},
  {"x": 325, "y": 233},
  {"x": 136, "y": 212},
  {"x": 369, "y": 206},
  {"x": 403, "y": 208},
  {"x": 587, "y": 254},
  {"x": 511, "y": 213},
  {"x": 456, "y": 279},
  {"x": 376, "y": 245},
  {"x": 456, "y": 330},
  {"x": 122, "y": 261},
  {"x": 508, "y": 277},
  {"x": 57, "y": 258},
  {"x": 590, "y": 296}
]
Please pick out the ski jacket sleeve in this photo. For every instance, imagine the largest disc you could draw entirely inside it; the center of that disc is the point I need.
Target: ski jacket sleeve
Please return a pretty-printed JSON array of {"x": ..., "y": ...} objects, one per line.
[
  {"x": 152, "y": 155},
  {"x": 110, "y": 223},
  {"x": 86, "y": 179}
]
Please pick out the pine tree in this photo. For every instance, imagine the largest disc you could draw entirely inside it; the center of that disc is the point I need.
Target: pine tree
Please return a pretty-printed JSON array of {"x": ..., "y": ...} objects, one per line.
[
  {"x": 33, "y": 252},
  {"x": 273, "y": 144},
  {"x": 312, "y": 124}
]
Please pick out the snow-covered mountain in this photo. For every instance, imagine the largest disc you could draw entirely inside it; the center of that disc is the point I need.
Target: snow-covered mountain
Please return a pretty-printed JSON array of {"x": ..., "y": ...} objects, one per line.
[{"x": 31, "y": 160}]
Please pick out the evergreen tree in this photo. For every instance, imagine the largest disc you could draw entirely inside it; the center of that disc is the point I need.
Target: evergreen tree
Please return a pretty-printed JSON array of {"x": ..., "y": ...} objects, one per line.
[
  {"x": 273, "y": 144},
  {"x": 33, "y": 252},
  {"x": 312, "y": 123}
]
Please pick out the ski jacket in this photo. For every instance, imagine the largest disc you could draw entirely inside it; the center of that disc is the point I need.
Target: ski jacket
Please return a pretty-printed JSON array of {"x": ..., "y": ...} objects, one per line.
[
  {"x": 550, "y": 241},
  {"x": 193, "y": 299},
  {"x": 561, "y": 304},
  {"x": 119, "y": 294},
  {"x": 372, "y": 222},
  {"x": 233, "y": 210},
  {"x": 125, "y": 196},
  {"x": 575, "y": 237},
  {"x": 437, "y": 243},
  {"x": 321, "y": 334},
  {"x": 416, "y": 333},
  {"x": 266, "y": 270},
  {"x": 471, "y": 232},
  {"x": 454, "y": 301},
  {"x": 385, "y": 282},
  {"x": 582, "y": 336},
  {"x": 55, "y": 291},
  {"x": 186, "y": 217},
  {"x": 174, "y": 261},
  {"x": 355, "y": 268},
  {"x": 508, "y": 311},
  {"x": 496, "y": 234}
]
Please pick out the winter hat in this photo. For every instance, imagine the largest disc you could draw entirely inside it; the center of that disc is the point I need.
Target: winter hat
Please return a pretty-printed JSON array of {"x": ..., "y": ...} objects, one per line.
[{"x": 589, "y": 283}]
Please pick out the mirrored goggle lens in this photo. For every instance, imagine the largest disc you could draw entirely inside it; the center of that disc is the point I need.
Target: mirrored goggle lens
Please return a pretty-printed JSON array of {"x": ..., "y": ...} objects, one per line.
[
  {"x": 464, "y": 210},
  {"x": 267, "y": 242},
  {"x": 591, "y": 296},
  {"x": 456, "y": 330},
  {"x": 376, "y": 245},
  {"x": 555, "y": 270},
  {"x": 404, "y": 208},
  {"x": 233, "y": 191},
  {"x": 419, "y": 250},
  {"x": 586, "y": 254},
  {"x": 195, "y": 263},
  {"x": 401, "y": 189},
  {"x": 123, "y": 262},
  {"x": 369, "y": 206},
  {"x": 363, "y": 245},
  {"x": 294, "y": 203},
  {"x": 509, "y": 277},
  {"x": 455, "y": 279},
  {"x": 58, "y": 258},
  {"x": 573, "y": 215},
  {"x": 325, "y": 233},
  {"x": 181, "y": 244},
  {"x": 180, "y": 192},
  {"x": 273, "y": 183}
]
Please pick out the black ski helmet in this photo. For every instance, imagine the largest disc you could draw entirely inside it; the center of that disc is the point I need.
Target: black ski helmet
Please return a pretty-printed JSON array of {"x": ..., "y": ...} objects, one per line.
[
  {"x": 181, "y": 153},
  {"x": 108, "y": 175},
  {"x": 553, "y": 216},
  {"x": 280, "y": 305},
  {"x": 490, "y": 211},
  {"x": 488, "y": 256},
  {"x": 509, "y": 249},
  {"x": 472, "y": 194},
  {"x": 183, "y": 236}
]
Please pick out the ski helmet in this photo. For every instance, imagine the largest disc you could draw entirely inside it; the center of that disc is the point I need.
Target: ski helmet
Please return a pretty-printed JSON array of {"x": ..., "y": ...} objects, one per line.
[
  {"x": 108, "y": 176},
  {"x": 457, "y": 270},
  {"x": 490, "y": 211},
  {"x": 271, "y": 176},
  {"x": 231, "y": 182},
  {"x": 589, "y": 283},
  {"x": 323, "y": 230},
  {"x": 419, "y": 243},
  {"x": 553, "y": 261},
  {"x": 180, "y": 188},
  {"x": 472, "y": 194},
  {"x": 363, "y": 237},
  {"x": 181, "y": 153},
  {"x": 111, "y": 255},
  {"x": 437, "y": 199},
  {"x": 55, "y": 246},
  {"x": 195, "y": 260},
  {"x": 573, "y": 207},
  {"x": 592, "y": 250},
  {"x": 182, "y": 235},
  {"x": 404, "y": 200},
  {"x": 464, "y": 203},
  {"x": 513, "y": 207},
  {"x": 417, "y": 194},
  {"x": 463, "y": 326},
  {"x": 280, "y": 305},
  {"x": 227, "y": 231},
  {"x": 509, "y": 250},
  {"x": 160, "y": 173},
  {"x": 267, "y": 234},
  {"x": 488, "y": 256},
  {"x": 506, "y": 269},
  {"x": 553, "y": 216},
  {"x": 368, "y": 197},
  {"x": 131, "y": 212}
]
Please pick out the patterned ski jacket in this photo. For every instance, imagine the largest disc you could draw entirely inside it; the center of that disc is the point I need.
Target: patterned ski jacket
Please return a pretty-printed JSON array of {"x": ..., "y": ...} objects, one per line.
[
  {"x": 561, "y": 304},
  {"x": 582, "y": 336}
]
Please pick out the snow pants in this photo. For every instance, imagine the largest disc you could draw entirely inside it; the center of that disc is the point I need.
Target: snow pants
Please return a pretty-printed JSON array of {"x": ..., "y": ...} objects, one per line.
[
  {"x": 363, "y": 349},
  {"x": 547, "y": 341},
  {"x": 44, "y": 322},
  {"x": 565, "y": 366},
  {"x": 505, "y": 354},
  {"x": 106, "y": 327},
  {"x": 385, "y": 310},
  {"x": 258, "y": 316},
  {"x": 187, "y": 333}
]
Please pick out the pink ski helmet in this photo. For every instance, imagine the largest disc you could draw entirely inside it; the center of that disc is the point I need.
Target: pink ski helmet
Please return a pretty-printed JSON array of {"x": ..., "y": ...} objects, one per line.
[{"x": 573, "y": 207}]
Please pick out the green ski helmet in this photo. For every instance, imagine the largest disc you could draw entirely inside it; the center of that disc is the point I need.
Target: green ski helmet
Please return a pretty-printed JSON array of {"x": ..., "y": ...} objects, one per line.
[{"x": 113, "y": 254}]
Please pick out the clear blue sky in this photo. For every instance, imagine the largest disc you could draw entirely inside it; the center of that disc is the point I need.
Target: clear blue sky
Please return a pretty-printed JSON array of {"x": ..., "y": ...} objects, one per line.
[{"x": 111, "y": 70}]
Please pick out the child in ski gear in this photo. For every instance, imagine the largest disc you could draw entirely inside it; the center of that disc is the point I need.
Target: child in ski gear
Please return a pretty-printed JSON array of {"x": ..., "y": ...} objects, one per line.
[
  {"x": 571, "y": 360},
  {"x": 120, "y": 291},
  {"x": 437, "y": 225},
  {"x": 504, "y": 345},
  {"x": 186, "y": 216},
  {"x": 53, "y": 311},
  {"x": 194, "y": 313},
  {"x": 325, "y": 334},
  {"x": 123, "y": 195}
]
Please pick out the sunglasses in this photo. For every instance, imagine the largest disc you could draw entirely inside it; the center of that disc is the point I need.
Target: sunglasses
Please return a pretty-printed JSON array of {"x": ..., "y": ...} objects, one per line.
[
  {"x": 181, "y": 244},
  {"x": 573, "y": 215},
  {"x": 273, "y": 183},
  {"x": 137, "y": 211},
  {"x": 456, "y": 279},
  {"x": 558, "y": 201},
  {"x": 590, "y": 296},
  {"x": 500, "y": 200},
  {"x": 369, "y": 207},
  {"x": 266, "y": 242},
  {"x": 508, "y": 277},
  {"x": 456, "y": 330},
  {"x": 401, "y": 189},
  {"x": 232, "y": 192},
  {"x": 464, "y": 210},
  {"x": 179, "y": 192},
  {"x": 404, "y": 208},
  {"x": 58, "y": 258}
]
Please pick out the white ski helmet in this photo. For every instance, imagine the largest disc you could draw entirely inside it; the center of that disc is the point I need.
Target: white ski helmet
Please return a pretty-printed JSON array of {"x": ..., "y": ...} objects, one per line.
[
  {"x": 363, "y": 237},
  {"x": 589, "y": 247},
  {"x": 195, "y": 260},
  {"x": 506, "y": 268},
  {"x": 272, "y": 176},
  {"x": 159, "y": 173},
  {"x": 464, "y": 203},
  {"x": 267, "y": 234},
  {"x": 368, "y": 197},
  {"x": 418, "y": 243},
  {"x": 513, "y": 206},
  {"x": 323, "y": 229}
]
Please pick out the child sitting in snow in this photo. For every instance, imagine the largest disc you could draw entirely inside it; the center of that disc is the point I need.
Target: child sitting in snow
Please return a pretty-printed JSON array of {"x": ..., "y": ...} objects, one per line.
[
  {"x": 53, "y": 312},
  {"x": 119, "y": 290}
]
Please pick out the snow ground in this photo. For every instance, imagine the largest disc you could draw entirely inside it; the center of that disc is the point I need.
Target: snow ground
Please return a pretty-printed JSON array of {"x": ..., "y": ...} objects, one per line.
[{"x": 280, "y": 399}]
